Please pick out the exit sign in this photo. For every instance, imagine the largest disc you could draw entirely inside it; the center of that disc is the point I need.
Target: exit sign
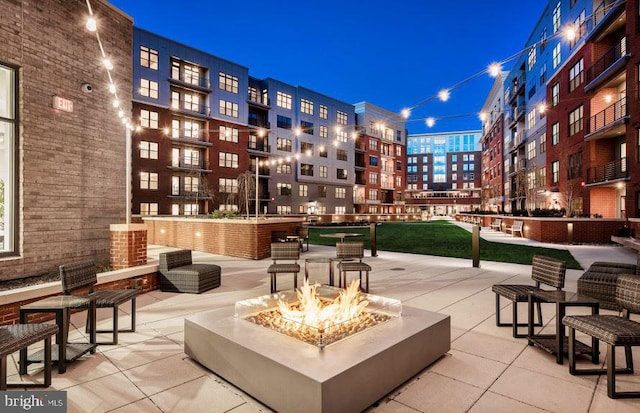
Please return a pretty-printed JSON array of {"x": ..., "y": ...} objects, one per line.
[{"x": 62, "y": 104}]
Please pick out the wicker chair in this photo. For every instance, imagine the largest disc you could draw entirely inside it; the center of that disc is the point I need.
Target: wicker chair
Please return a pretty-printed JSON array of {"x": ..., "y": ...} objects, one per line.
[
  {"x": 179, "y": 274},
  {"x": 599, "y": 281},
  {"x": 352, "y": 251},
  {"x": 544, "y": 270},
  {"x": 284, "y": 251},
  {"x": 18, "y": 337},
  {"x": 613, "y": 330},
  {"x": 82, "y": 276}
]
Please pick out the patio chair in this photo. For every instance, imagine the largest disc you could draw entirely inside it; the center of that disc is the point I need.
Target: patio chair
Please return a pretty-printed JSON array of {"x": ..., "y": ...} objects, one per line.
[
  {"x": 18, "y": 337},
  {"x": 347, "y": 253},
  {"x": 82, "y": 276},
  {"x": 544, "y": 270},
  {"x": 600, "y": 280},
  {"x": 179, "y": 274},
  {"x": 284, "y": 251},
  {"x": 613, "y": 330}
]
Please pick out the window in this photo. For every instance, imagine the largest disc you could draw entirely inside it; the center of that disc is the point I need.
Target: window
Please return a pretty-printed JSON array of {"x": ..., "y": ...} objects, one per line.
[
  {"x": 303, "y": 190},
  {"x": 283, "y": 168},
  {"x": 228, "y": 108},
  {"x": 191, "y": 157},
  {"x": 543, "y": 40},
  {"x": 185, "y": 129},
  {"x": 306, "y": 148},
  {"x": 555, "y": 134},
  {"x": 283, "y": 189},
  {"x": 555, "y": 172},
  {"x": 543, "y": 74},
  {"x": 398, "y": 150},
  {"x": 341, "y": 136},
  {"x": 341, "y": 193},
  {"x": 341, "y": 118},
  {"x": 283, "y": 100},
  {"x": 191, "y": 184},
  {"x": 175, "y": 209},
  {"x": 322, "y": 192},
  {"x": 555, "y": 18},
  {"x": 373, "y": 144},
  {"x": 149, "y": 58},
  {"x": 324, "y": 132},
  {"x": 398, "y": 181},
  {"x": 531, "y": 150},
  {"x": 531, "y": 119},
  {"x": 149, "y": 88},
  {"x": 373, "y": 178},
  {"x": 373, "y": 161},
  {"x": 8, "y": 190},
  {"x": 322, "y": 151},
  {"x": 556, "y": 56},
  {"x": 148, "y": 208},
  {"x": 555, "y": 94},
  {"x": 324, "y": 172},
  {"x": 283, "y": 209},
  {"x": 373, "y": 194},
  {"x": 398, "y": 166},
  {"x": 228, "y": 134},
  {"x": 148, "y": 180},
  {"x": 531, "y": 60},
  {"x": 543, "y": 143},
  {"x": 148, "y": 119},
  {"x": 341, "y": 155},
  {"x": 341, "y": 173},
  {"x": 575, "y": 121},
  {"x": 306, "y": 106},
  {"x": 306, "y": 169},
  {"x": 306, "y": 127},
  {"x": 228, "y": 82},
  {"x": 284, "y": 144},
  {"x": 191, "y": 209},
  {"x": 284, "y": 122},
  {"x": 576, "y": 75},
  {"x": 191, "y": 74},
  {"x": 228, "y": 185},
  {"x": 148, "y": 150},
  {"x": 228, "y": 160},
  {"x": 324, "y": 113},
  {"x": 575, "y": 165},
  {"x": 340, "y": 210}
]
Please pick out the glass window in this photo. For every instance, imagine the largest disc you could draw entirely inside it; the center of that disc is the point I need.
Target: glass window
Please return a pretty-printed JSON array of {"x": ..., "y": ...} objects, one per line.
[
  {"x": 283, "y": 100},
  {"x": 228, "y": 160},
  {"x": 228, "y": 185},
  {"x": 324, "y": 132},
  {"x": 324, "y": 172},
  {"x": 341, "y": 193},
  {"x": 556, "y": 56},
  {"x": 303, "y": 190},
  {"x": 284, "y": 144},
  {"x": 575, "y": 120},
  {"x": 531, "y": 150},
  {"x": 228, "y": 108},
  {"x": 306, "y": 106},
  {"x": 8, "y": 191},
  {"x": 148, "y": 58},
  {"x": 306, "y": 127},
  {"x": 555, "y": 94},
  {"x": 555, "y": 18},
  {"x": 341, "y": 173},
  {"x": 228, "y": 82},
  {"x": 148, "y": 180},
  {"x": 306, "y": 169},
  {"x": 576, "y": 75},
  {"x": 284, "y": 122},
  {"x": 324, "y": 112},
  {"x": 149, "y": 88},
  {"x": 148, "y": 208},
  {"x": 229, "y": 134},
  {"x": 555, "y": 133},
  {"x": 148, "y": 119},
  {"x": 342, "y": 118},
  {"x": 148, "y": 150},
  {"x": 555, "y": 172}
]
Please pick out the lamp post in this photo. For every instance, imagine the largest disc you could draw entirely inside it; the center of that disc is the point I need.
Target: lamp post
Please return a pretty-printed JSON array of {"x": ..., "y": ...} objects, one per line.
[{"x": 257, "y": 187}]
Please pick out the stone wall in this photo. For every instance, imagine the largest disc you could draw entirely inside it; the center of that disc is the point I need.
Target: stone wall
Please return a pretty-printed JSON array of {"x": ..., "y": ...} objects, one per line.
[{"x": 71, "y": 165}]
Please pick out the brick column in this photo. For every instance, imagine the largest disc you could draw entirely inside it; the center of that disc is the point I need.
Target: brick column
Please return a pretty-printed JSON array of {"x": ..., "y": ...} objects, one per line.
[{"x": 128, "y": 245}]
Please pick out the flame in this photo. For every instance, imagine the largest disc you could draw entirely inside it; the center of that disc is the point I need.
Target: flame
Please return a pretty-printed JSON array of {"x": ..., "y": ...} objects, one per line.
[{"x": 312, "y": 311}]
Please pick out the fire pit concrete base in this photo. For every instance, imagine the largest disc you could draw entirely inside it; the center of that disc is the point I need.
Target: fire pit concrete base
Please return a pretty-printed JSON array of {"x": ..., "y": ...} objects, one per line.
[{"x": 292, "y": 376}]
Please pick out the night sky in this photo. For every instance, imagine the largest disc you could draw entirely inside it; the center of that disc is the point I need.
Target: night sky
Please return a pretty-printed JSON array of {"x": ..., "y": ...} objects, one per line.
[{"x": 391, "y": 53}]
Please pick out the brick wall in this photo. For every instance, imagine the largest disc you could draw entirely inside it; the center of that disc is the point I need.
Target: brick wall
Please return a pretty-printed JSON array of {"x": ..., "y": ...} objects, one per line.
[
  {"x": 128, "y": 246},
  {"x": 71, "y": 164}
]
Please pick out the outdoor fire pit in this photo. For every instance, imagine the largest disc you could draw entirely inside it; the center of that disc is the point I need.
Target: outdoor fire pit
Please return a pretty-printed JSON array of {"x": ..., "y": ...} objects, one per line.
[{"x": 288, "y": 356}]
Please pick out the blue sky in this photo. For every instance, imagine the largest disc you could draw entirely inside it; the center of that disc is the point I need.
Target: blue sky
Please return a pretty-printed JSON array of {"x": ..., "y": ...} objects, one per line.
[{"x": 391, "y": 53}]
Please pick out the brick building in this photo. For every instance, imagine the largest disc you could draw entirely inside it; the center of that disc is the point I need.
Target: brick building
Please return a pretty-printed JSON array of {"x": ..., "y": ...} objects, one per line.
[{"x": 62, "y": 145}]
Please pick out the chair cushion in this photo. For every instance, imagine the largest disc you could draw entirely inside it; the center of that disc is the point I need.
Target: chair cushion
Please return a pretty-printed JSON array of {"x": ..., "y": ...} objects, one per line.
[
  {"x": 109, "y": 298},
  {"x": 514, "y": 292},
  {"x": 611, "y": 329},
  {"x": 15, "y": 337},
  {"x": 354, "y": 266},
  {"x": 195, "y": 269},
  {"x": 275, "y": 268}
]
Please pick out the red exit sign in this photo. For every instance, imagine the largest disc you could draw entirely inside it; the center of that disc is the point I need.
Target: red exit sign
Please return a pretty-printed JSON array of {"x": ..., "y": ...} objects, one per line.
[{"x": 63, "y": 104}]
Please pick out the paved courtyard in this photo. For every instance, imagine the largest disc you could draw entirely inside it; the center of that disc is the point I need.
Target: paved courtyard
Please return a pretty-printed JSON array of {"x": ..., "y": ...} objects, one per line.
[{"x": 487, "y": 370}]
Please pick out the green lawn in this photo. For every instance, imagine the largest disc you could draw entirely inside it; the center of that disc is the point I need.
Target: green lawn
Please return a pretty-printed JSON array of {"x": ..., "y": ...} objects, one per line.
[{"x": 441, "y": 238}]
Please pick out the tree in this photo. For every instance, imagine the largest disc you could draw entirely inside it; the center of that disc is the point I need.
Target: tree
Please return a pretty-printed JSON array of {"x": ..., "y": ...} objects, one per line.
[{"x": 246, "y": 191}]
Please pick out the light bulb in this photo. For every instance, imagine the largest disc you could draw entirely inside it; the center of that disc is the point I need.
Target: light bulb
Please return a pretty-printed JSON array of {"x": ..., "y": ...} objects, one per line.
[
  {"x": 405, "y": 113},
  {"x": 430, "y": 122},
  {"x": 112, "y": 88},
  {"x": 494, "y": 69},
  {"x": 444, "y": 95},
  {"x": 120, "y": 113},
  {"x": 91, "y": 25},
  {"x": 116, "y": 103},
  {"x": 108, "y": 64},
  {"x": 483, "y": 116}
]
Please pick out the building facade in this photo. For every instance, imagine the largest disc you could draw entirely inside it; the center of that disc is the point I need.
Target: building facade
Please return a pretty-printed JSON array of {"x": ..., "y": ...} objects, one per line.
[
  {"x": 62, "y": 145},
  {"x": 444, "y": 172}
]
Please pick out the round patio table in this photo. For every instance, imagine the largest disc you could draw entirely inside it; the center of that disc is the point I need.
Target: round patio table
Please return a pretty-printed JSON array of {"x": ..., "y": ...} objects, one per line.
[{"x": 341, "y": 235}]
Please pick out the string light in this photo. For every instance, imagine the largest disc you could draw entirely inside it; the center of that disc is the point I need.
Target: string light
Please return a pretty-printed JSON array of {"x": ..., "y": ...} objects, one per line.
[
  {"x": 444, "y": 95},
  {"x": 91, "y": 25},
  {"x": 494, "y": 69},
  {"x": 430, "y": 122}
]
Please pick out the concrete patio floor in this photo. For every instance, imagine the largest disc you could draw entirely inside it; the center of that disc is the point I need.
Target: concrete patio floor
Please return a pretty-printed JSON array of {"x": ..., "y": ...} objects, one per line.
[{"x": 487, "y": 370}]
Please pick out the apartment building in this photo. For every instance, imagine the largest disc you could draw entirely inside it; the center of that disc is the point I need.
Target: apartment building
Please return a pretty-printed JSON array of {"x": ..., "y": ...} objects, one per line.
[
  {"x": 525, "y": 140},
  {"x": 209, "y": 134},
  {"x": 595, "y": 118},
  {"x": 492, "y": 141},
  {"x": 444, "y": 173},
  {"x": 380, "y": 166}
]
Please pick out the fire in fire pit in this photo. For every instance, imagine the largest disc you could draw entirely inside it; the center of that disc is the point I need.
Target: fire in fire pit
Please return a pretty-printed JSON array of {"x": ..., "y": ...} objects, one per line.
[{"x": 319, "y": 315}]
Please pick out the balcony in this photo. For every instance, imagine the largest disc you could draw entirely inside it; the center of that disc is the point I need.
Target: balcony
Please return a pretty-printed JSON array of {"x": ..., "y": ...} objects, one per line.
[
  {"x": 190, "y": 108},
  {"x": 259, "y": 123},
  {"x": 607, "y": 66},
  {"x": 608, "y": 122},
  {"x": 611, "y": 171},
  {"x": 605, "y": 19},
  {"x": 189, "y": 167},
  {"x": 183, "y": 194},
  {"x": 259, "y": 100},
  {"x": 187, "y": 140},
  {"x": 200, "y": 84},
  {"x": 259, "y": 147}
]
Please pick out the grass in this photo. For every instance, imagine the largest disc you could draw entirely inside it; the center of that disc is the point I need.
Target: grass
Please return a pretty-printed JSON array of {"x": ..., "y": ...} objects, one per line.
[{"x": 441, "y": 238}]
